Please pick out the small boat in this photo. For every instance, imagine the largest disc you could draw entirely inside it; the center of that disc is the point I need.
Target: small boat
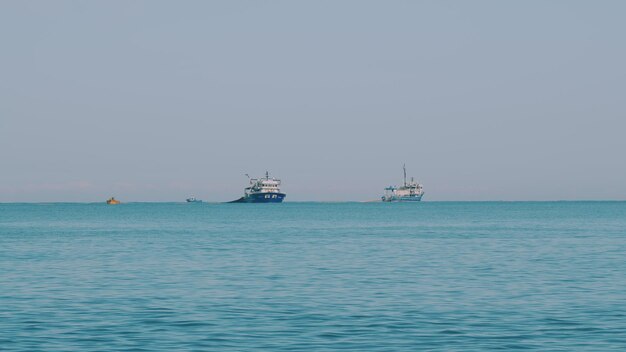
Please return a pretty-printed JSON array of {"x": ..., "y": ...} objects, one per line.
[
  {"x": 112, "y": 200},
  {"x": 194, "y": 200},
  {"x": 263, "y": 190}
]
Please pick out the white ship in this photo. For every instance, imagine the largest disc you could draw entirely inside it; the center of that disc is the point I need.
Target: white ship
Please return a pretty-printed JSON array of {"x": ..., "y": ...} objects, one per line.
[
  {"x": 194, "y": 200},
  {"x": 263, "y": 190},
  {"x": 409, "y": 192}
]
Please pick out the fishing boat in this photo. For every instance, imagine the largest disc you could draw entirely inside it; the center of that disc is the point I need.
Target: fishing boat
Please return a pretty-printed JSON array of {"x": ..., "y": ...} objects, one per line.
[
  {"x": 262, "y": 190},
  {"x": 409, "y": 192},
  {"x": 112, "y": 200},
  {"x": 194, "y": 200}
]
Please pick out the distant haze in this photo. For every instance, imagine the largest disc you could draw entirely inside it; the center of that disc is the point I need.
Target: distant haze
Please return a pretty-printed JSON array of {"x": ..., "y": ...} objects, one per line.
[{"x": 157, "y": 101}]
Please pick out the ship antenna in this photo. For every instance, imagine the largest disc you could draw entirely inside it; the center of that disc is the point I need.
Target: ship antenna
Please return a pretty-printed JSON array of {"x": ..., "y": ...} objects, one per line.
[
  {"x": 267, "y": 175},
  {"x": 404, "y": 168}
]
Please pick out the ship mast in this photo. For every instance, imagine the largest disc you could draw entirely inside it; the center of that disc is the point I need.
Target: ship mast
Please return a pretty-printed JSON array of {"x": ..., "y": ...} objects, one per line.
[{"x": 404, "y": 168}]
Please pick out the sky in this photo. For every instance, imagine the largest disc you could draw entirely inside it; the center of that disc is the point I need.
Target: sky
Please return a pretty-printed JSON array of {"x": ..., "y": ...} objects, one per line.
[{"x": 161, "y": 100}]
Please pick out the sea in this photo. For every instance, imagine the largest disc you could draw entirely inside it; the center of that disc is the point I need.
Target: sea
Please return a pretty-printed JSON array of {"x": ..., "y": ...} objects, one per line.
[{"x": 429, "y": 276}]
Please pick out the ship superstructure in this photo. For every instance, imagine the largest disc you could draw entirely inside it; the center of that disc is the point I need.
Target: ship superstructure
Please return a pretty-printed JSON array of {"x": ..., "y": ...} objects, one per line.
[
  {"x": 262, "y": 190},
  {"x": 409, "y": 192}
]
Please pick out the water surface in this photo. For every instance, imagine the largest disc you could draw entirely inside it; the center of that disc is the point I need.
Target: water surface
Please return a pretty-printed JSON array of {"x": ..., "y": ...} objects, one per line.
[{"x": 449, "y": 276}]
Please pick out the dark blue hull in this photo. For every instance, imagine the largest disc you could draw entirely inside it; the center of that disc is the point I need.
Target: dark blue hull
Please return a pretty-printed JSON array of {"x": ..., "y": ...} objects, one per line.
[{"x": 261, "y": 198}]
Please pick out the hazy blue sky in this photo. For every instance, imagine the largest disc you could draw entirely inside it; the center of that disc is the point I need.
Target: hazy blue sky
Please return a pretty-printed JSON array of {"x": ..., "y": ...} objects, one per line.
[{"x": 154, "y": 100}]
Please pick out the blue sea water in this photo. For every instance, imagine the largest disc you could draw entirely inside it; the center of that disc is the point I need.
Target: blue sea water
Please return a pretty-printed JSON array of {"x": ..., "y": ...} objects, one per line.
[{"x": 439, "y": 276}]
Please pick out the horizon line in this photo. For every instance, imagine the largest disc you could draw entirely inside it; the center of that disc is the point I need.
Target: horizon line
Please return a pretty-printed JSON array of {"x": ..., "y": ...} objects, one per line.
[{"x": 325, "y": 201}]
